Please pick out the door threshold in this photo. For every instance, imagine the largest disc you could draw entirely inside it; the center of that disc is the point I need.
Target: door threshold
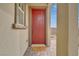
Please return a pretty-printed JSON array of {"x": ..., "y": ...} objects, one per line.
[{"x": 38, "y": 45}]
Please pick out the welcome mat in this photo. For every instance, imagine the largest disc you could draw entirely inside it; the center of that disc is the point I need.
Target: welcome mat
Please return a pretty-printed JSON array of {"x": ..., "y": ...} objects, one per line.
[{"x": 38, "y": 48}]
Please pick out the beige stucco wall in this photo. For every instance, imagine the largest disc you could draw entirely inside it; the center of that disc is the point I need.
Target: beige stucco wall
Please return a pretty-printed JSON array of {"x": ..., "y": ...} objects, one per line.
[
  {"x": 62, "y": 29},
  {"x": 12, "y": 41},
  {"x": 73, "y": 30},
  {"x": 37, "y": 4},
  {"x": 67, "y": 30}
]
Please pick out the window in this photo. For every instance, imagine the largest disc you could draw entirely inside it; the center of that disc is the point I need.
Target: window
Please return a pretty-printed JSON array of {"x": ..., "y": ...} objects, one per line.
[
  {"x": 20, "y": 22},
  {"x": 53, "y": 16}
]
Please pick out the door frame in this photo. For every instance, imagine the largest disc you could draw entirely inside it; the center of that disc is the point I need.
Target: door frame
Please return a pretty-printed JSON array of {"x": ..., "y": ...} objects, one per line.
[{"x": 30, "y": 23}]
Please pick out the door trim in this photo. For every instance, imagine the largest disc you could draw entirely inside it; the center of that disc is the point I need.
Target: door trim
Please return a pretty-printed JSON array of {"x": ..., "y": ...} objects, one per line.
[{"x": 30, "y": 22}]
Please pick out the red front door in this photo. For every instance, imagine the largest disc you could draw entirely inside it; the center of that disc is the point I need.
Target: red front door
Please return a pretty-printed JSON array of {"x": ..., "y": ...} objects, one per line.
[{"x": 38, "y": 26}]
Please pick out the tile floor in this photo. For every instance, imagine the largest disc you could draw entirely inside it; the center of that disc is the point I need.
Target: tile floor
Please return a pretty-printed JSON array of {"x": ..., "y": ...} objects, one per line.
[{"x": 43, "y": 50}]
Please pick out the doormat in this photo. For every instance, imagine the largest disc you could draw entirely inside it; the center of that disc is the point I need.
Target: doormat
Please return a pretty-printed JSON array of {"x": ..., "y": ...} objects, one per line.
[{"x": 38, "y": 48}]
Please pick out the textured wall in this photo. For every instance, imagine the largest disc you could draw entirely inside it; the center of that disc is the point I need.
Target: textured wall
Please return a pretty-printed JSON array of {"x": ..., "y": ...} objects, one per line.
[
  {"x": 62, "y": 29},
  {"x": 12, "y": 41},
  {"x": 73, "y": 30},
  {"x": 67, "y": 30}
]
